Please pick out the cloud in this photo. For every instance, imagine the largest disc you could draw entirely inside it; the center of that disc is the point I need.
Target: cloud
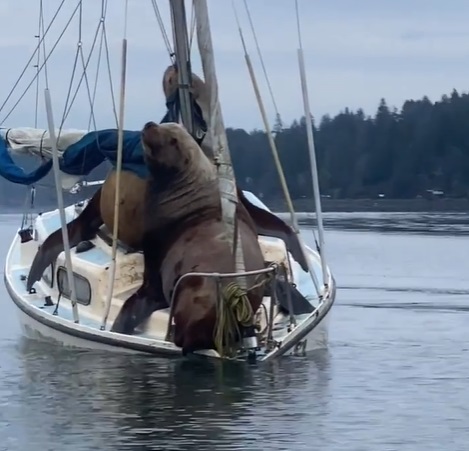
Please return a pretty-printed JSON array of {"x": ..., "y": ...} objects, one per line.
[{"x": 355, "y": 52}]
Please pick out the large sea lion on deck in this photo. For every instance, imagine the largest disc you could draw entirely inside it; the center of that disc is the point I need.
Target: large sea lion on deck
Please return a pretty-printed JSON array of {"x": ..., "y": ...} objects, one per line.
[
  {"x": 184, "y": 232},
  {"x": 100, "y": 208}
]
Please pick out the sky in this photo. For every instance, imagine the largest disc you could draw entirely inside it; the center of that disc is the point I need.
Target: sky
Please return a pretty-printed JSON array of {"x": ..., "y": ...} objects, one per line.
[{"x": 356, "y": 52}]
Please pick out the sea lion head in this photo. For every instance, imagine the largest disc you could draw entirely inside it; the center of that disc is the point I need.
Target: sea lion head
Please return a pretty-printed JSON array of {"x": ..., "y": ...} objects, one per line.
[
  {"x": 201, "y": 95},
  {"x": 167, "y": 145},
  {"x": 169, "y": 149},
  {"x": 198, "y": 87}
]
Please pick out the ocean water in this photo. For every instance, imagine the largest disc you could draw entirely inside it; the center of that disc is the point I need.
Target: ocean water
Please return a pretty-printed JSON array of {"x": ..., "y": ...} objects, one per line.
[{"x": 394, "y": 377}]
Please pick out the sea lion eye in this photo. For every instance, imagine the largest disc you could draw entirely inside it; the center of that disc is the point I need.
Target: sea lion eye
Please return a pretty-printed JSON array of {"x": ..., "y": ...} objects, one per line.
[{"x": 173, "y": 141}]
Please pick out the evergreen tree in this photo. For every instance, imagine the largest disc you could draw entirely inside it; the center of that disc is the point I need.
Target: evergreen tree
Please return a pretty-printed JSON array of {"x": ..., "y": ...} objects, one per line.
[{"x": 400, "y": 153}]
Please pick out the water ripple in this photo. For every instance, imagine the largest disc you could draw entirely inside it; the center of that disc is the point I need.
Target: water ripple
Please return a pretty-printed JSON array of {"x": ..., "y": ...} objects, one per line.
[{"x": 395, "y": 376}]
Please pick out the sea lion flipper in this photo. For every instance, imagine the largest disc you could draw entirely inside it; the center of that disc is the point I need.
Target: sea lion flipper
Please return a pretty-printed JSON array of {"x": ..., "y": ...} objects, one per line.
[
  {"x": 84, "y": 227},
  {"x": 147, "y": 299},
  {"x": 268, "y": 224},
  {"x": 299, "y": 303},
  {"x": 136, "y": 309}
]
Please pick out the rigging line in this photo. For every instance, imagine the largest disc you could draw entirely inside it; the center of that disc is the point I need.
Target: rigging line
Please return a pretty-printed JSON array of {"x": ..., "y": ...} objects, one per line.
[
  {"x": 32, "y": 57},
  {"x": 83, "y": 75},
  {"x": 100, "y": 53},
  {"x": 46, "y": 73},
  {"x": 37, "y": 65},
  {"x": 104, "y": 6},
  {"x": 163, "y": 30},
  {"x": 69, "y": 92},
  {"x": 43, "y": 64},
  {"x": 261, "y": 58},
  {"x": 298, "y": 26},
  {"x": 93, "y": 97},
  {"x": 80, "y": 44},
  {"x": 80, "y": 23},
  {"x": 109, "y": 71},
  {"x": 87, "y": 82},
  {"x": 276, "y": 157}
]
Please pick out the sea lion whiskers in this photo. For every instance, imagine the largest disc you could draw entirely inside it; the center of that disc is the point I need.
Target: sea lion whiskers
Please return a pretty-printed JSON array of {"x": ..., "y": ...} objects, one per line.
[{"x": 156, "y": 144}]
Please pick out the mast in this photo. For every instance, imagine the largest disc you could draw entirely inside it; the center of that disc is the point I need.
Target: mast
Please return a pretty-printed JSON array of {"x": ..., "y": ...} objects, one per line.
[
  {"x": 216, "y": 127},
  {"x": 181, "y": 48}
]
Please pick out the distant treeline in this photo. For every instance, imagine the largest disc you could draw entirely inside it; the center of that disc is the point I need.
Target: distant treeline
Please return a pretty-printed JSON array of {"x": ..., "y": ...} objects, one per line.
[{"x": 421, "y": 150}]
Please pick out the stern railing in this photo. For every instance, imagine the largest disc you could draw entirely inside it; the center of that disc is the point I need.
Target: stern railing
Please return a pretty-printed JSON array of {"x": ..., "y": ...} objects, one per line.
[{"x": 271, "y": 271}]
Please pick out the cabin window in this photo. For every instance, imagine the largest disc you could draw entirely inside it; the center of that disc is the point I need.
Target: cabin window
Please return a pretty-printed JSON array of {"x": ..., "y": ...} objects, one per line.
[
  {"x": 82, "y": 286},
  {"x": 48, "y": 275}
]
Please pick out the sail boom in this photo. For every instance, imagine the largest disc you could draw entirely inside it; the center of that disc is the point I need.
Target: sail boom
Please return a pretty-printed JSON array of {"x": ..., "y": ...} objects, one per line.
[
  {"x": 36, "y": 141},
  {"x": 79, "y": 152}
]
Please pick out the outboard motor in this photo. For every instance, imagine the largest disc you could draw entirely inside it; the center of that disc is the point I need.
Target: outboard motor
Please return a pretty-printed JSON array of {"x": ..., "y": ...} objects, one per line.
[{"x": 250, "y": 343}]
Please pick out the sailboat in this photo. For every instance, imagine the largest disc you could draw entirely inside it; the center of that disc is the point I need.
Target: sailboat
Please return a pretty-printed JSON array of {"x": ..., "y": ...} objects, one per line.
[{"x": 79, "y": 296}]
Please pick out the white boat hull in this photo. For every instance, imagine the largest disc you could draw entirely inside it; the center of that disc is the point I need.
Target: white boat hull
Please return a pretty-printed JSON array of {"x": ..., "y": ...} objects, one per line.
[
  {"x": 37, "y": 330},
  {"x": 44, "y": 321}
]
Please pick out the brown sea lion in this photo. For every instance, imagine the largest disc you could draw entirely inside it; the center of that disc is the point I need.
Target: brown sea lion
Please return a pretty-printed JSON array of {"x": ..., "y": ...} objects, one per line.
[
  {"x": 184, "y": 232},
  {"x": 82, "y": 228},
  {"x": 132, "y": 189},
  {"x": 200, "y": 94},
  {"x": 100, "y": 209},
  {"x": 267, "y": 224}
]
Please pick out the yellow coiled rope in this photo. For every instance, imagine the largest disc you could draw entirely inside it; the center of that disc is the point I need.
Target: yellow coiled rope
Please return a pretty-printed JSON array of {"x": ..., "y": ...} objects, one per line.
[{"x": 235, "y": 311}]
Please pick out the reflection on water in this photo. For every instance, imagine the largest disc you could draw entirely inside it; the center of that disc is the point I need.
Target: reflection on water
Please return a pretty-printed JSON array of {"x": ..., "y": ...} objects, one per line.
[
  {"x": 156, "y": 403},
  {"x": 395, "y": 376}
]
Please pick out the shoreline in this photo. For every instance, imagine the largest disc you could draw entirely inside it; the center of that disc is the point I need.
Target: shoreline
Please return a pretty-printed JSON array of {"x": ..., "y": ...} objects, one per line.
[
  {"x": 376, "y": 205},
  {"x": 334, "y": 206}
]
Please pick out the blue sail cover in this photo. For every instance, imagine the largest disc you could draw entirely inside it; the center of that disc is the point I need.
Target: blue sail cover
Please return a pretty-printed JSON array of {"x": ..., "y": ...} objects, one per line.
[
  {"x": 13, "y": 173},
  {"x": 82, "y": 157},
  {"x": 93, "y": 148}
]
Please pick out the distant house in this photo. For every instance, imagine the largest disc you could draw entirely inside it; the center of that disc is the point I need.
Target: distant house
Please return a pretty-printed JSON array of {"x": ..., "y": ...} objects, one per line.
[{"x": 432, "y": 193}]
